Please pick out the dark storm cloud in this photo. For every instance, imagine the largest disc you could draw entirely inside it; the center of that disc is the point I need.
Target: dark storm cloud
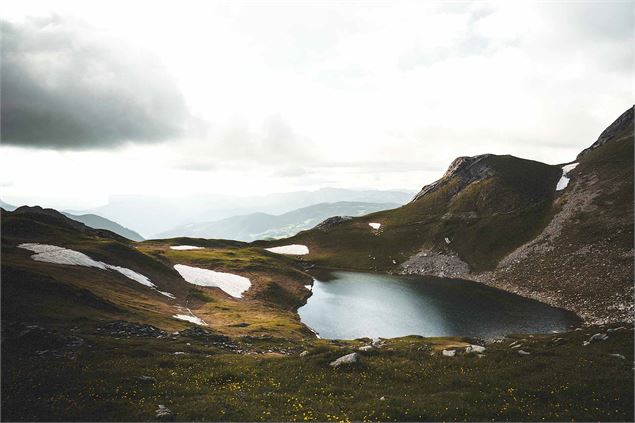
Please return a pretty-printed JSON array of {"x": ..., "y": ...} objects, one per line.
[{"x": 65, "y": 87}]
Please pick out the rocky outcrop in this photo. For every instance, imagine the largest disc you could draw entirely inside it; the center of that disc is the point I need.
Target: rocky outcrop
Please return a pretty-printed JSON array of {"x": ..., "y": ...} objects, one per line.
[
  {"x": 332, "y": 222},
  {"x": 466, "y": 169},
  {"x": 622, "y": 124}
]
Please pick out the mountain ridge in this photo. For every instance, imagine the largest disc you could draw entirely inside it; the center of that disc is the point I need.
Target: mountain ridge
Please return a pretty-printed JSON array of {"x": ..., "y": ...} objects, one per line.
[{"x": 475, "y": 219}]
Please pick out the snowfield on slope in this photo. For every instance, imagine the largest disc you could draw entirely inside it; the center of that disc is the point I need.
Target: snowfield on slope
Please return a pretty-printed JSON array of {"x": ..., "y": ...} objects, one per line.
[
  {"x": 60, "y": 255},
  {"x": 186, "y": 247},
  {"x": 374, "y": 225},
  {"x": 564, "y": 179},
  {"x": 293, "y": 249},
  {"x": 233, "y": 285},
  {"x": 192, "y": 319}
]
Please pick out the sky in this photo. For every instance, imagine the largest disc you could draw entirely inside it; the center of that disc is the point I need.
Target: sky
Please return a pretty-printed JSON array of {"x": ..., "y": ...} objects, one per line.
[{"x": 256, "y": 97}]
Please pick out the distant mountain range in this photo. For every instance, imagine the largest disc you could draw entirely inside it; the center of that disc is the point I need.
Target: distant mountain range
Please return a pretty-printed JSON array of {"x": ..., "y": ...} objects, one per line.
[
  {"x": 254, "y": 226},
  {"x": 152, "y": 216}
]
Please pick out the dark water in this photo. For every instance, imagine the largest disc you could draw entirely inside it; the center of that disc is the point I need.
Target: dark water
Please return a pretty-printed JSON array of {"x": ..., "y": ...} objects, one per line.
[{"x": 348, "y": 305}]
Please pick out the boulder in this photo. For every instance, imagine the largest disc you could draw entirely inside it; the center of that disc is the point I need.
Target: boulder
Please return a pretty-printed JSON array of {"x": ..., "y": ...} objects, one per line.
[
  {"x": 304, "y": 353},
  {"x": 351, "y": 358},
  {"x": 449, "y": 353},
  {"x": 164, "y": 414},
  {"x": 474, "y": 348},
  {"x": 523, "y": 352},
  {"x": 365, "y": 348}
]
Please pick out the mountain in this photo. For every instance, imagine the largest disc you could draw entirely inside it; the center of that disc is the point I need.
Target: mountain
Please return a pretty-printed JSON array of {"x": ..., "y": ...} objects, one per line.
[
  {"x": 168, "y": 213},
  {"x": 92, "y": 220},
  {"x": 81, "y": 275},
  {"x": 262, "y": 225},
  {"x": 99, "y": 222},
  {"x": 562, "y": 234}
]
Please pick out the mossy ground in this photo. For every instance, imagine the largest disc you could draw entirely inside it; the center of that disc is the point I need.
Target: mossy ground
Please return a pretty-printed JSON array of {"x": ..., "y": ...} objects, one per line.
[{"x": 560, "y": 380}]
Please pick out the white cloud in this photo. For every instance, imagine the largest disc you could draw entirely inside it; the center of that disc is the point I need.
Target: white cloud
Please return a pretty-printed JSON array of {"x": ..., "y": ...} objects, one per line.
[{"x": 354, "y": 94}]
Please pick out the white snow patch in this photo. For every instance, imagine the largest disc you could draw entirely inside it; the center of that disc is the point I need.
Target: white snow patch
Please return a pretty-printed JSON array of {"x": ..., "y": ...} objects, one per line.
[
  {"x": 192, "y": 319},
  {"x": 293, "y": 249},
  {"x": 564, "y": 179},
  {"x": 143, "y": 280},
  {"x": 233, "y": 285},
  {"x": 374, "y": 225},
  {"x": 309, "y": 287},
  {"x": 60, "y": 255},
  {"x": 186, "y": 247},
  {"x": 167, "y": 294}
]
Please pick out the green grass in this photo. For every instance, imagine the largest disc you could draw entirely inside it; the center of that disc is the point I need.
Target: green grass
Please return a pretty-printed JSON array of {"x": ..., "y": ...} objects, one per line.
[
  {"x": 559, "y": 381},
  {"x": 485, "y": 220}
]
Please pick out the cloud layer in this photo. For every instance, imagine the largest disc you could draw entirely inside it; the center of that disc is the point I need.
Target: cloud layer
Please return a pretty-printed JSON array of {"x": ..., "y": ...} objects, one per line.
[{"x": 66, "y": 86}]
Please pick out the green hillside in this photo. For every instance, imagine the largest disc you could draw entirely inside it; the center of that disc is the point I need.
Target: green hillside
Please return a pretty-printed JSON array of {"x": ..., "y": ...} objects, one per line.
[{"x": 507, "y": 203}]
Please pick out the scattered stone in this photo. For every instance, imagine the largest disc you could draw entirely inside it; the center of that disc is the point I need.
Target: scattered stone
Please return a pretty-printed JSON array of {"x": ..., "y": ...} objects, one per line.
[
  {"x": 596, "y": 337},
  {"x": 449, "y": 353},
  {"x": 365, "y": 348},
  {"x": 179, "y": 353},
  {"x": 304, "y": 353},
  {"x": 128, "y": 329},
  {"x": 144, "y": 378},
  {"x": 523, "y": 352},
  {"x": 616, "y": 329},
  {"x": 164, "y": 414},
  {"x": 382, "y": 399},
  {"x": 351, "y": 358},
  {"x": 474, "y": 348}
]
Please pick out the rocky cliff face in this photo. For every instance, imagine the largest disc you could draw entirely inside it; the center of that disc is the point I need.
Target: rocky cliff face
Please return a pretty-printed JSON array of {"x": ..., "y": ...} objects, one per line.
[{"x": 623, "y": 126}]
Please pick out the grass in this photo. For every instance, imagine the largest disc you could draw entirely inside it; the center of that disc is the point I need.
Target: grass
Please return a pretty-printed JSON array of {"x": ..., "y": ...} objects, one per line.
[
  {"x": 484, "y": 220},
  {"x": 558, "y": 381}
]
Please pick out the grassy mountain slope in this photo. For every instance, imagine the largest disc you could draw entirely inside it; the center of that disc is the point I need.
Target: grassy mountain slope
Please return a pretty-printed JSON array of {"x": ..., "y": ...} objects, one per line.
[
  {"x": 500, "y": 220},
  {"x": 485, "y": 215},
  {"x": 39, "y": 292},
  {"x": 262, "y": 225},
  {"x": 583, "y": 260}
]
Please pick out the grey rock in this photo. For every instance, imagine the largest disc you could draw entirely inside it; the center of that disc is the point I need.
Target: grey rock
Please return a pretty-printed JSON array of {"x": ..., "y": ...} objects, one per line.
[
  {"x": 304, "y": 353},
  {"x": 523, "y": 352},
  {"x": 164, "y": 414},
  {"x": 474, "y": 348},
  {"x": 347, "y": 359}
]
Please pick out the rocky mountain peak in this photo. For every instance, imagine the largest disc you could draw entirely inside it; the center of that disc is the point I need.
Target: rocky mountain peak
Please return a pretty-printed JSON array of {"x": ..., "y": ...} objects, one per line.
[
  {"x": 467, "y": 168},
  {"x": 618, "y": 127}
]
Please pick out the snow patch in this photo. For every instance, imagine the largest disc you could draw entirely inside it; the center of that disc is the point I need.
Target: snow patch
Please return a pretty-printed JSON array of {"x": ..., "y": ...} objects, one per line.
[
  {"x": 185, "y": 247},
  {"x": 138, "y": 277},
  {"x": 167, "y": 294},
  {"x": 233, "y": 285},
  {"x": 293, "y": 249},
  {"x": 309, "y": 287},
  {"x": 191, "y": 319},
  {"x": 564, "y": 179},
  {"x": 60, "y": 255},
  {"x": 374, "y": 225}
]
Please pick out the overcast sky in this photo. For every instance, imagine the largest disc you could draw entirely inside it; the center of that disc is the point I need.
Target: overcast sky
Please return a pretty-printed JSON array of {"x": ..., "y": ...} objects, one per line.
[{"x": 174, "y": 98}]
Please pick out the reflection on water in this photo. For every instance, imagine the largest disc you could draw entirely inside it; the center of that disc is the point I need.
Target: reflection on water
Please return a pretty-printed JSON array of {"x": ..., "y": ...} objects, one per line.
[{"x": 348, "y": 305}]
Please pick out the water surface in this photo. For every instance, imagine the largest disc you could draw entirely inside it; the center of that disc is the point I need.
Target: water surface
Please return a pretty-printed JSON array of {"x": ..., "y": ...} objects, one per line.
[{"x": 349, "y": 305}]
